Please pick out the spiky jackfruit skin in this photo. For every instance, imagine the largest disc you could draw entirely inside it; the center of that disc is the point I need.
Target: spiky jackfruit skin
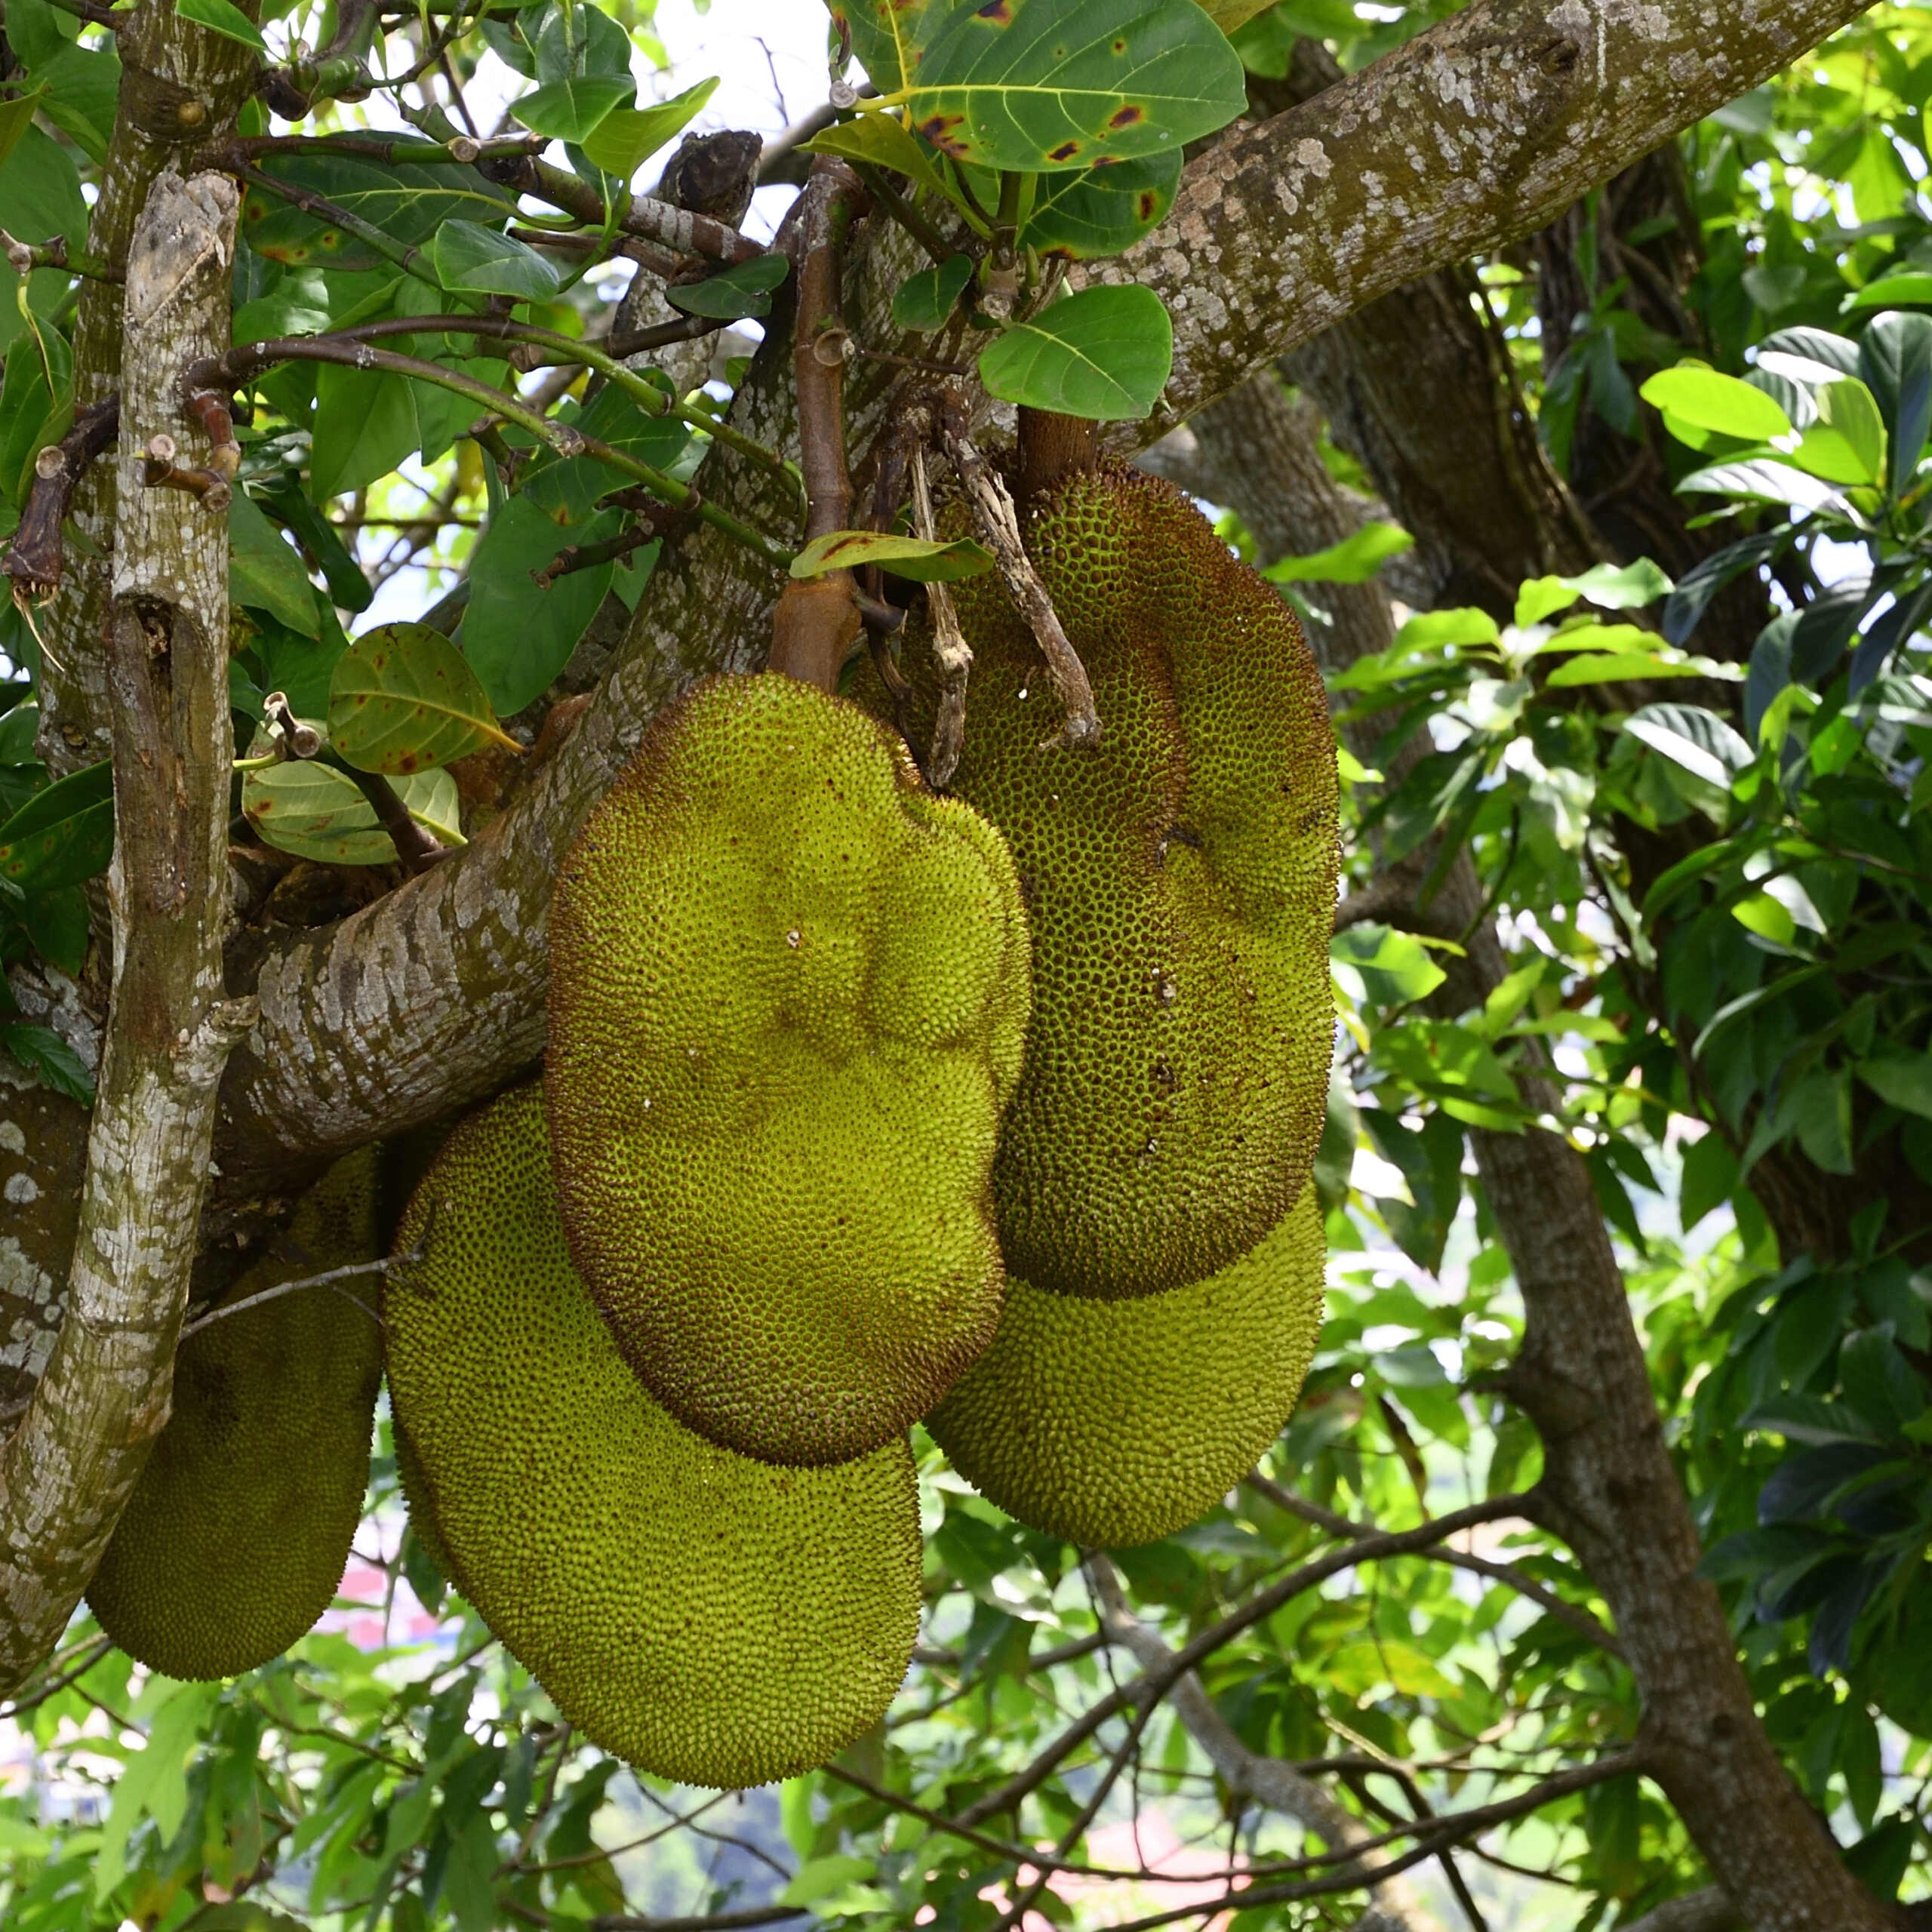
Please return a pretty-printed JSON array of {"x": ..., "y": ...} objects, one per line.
[
  {"x": 708, "y": 1618},
  {"x": 236, "y": 1538},
  {"x": 1115, "y": 1422},
  {"x": 1180, "y": 887},
  {"x": 789, "y": 989}
]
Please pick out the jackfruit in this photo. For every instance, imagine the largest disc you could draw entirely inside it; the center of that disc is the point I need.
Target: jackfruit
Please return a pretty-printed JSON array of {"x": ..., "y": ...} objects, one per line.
[
  {"x": 1179, "y": 882},
  {"x": 788, "y": 989},
  {"x": 236, "y": 1536},
  {"x": 708, "y": 1618},
  {"x": 1114, "y": 1423}
]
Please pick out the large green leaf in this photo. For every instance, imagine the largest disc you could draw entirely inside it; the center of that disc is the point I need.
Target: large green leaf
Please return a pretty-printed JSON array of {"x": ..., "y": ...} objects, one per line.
[
  {"x": 82, "y": 90},
  {"x": 516, "y": 636},
  {"x": 224, "y": 17},
  {"x": 365, "y": 425},
  {"x": 888, "y": 35},
  {"x": 40, "y": 197},
  {"x": 1104, "y": 211},
  {"x": 16, "y": 118},
  {"x": 1104, "y": 354},
  {"x": 264, "y": 573},
  {"x": 923, "y": 300},
  {"x": 402, "y": 699},
  {"x": 315, "y": 811},
  {"x": 744, "y": 289},
  {"x": 1708, "y": 399},
  {"x": 881, "y": 139},
  {"x": 1042, "y": 85},
  {"x": 626, "y": 135},
  {"x": 408, "y": 202},
  {"x": 470, "y": 258},
  {"x": 1895, "y": 358},
  {"x": 62, "y": 835},
  {"x": 572, "y": 109}
]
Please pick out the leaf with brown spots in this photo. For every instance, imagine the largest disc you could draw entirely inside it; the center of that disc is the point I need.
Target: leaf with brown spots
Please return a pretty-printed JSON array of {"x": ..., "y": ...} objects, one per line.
[
  {"x": 315, "y": 811},
  {"x": 1105, "y": 210},
  {"x": 1045, "y": 86},
  {"x": 403, "y": 699}
]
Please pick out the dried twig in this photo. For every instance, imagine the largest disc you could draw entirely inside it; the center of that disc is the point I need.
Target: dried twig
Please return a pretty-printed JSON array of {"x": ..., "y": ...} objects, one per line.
[
  {"x": 327, "y": 1279},
  {"x": 36, "y": 557},
  {"x": 998, "y": 525},
  {"x": 951, "y": 652}
]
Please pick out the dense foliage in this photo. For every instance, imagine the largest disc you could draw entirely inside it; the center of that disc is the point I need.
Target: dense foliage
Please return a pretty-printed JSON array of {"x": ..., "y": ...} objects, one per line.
[{"x": 1710, "y": 870}]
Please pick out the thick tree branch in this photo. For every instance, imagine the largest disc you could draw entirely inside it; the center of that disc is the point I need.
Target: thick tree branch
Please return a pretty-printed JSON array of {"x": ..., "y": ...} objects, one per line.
[{"x": 68, "y": 1468}]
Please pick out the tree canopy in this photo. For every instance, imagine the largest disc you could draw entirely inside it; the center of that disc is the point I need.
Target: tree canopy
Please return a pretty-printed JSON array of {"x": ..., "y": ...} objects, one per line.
[{"x": 1566, "y": 365}]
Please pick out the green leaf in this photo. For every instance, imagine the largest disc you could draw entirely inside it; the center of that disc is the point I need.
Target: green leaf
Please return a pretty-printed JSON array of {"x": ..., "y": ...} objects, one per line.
[
  {"x": 472, "y": 259},
  {"x": 517, "y": 636},
  {"x": 923, "y": 301},
  {"x": 56, "y": 924},
  {"x": 1698, "y": 740},
  {"x": 1850, "y": 410},
  {"x": 264, "y": 572},
  {"x": 574, "y": 109},
  {"x": 1392, "y": 968},
  {"x": 16, "y": 118},
  {"x": 365, "y": 426},
  {"x": 882, "y": 139},
  {"x": 315, "y": 811},
  {"x": 1104, "y": 354},
  {"x": 911, "y": 557},
  {"x": 408, "y": 201},
  {"x": 742, "y": 290},
  {"x": 1105, "y": 210},
  {"x": 49, "y": 1058},
  {"x": 1039, "y": 85},
  {"x": 1895, "y": 358},
  {"x": 221, "y": 17},
  {"x": 888, "y": 36},
  {"x": 402, "y": 698},
  {"x": 40, "y": 197},
  {"x": 1354, "y": 560},
  {"x": 1901, "y": 1078},
  {"x": 1912, "y": 288},
  {"x": 621, "y": 140},
  {"x": 83, "y": 91},
  {"x": 1759, "y": 479},
  {"x": 819, "y": 1877},
  {"x": 1709, "y": 400},
  {"x": 62, "y": 835}
]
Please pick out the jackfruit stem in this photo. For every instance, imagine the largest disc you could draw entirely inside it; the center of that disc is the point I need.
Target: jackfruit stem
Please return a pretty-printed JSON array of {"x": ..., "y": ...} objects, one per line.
[
  {"x": 998, "y": 524},
  {"x": 1052, "y": 447}
]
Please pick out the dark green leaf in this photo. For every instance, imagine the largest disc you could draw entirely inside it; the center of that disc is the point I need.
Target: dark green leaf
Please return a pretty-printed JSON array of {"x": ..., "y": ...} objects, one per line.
[
  {"x": 83, "y": 90},
  {"x": 401, "y": 699},
  {"x": 744, "y": 289},
  {"x": 469, "y": 258},
  {"x": 1699, "y": 740},
  {"x": 40, "y": 198},
  {"x": 264, "y": 572},
  {"x": 56, "y": 924},
  {"x": 911, "y": 557},
  {"x": 62, "y": 835},
  {"x": 365, "y": 426},
  {"x": 924, "y": 301},
  {"x": 1895, "y": 358},
  {"x": 45, "y": 1054},
  {"x": 1104, "y": 354},
  {"x": 517, "y": 636},
  {"x": 882, "y": 140},
  {"x": 1039, "y": 85},
  {"x": 1761, "y": 479},
  {"x": 408, "y": 202},
  {"x": 1105, "y": 210},
  {"x": 321, "y": 542},
  {"x": 223, "y": 18},
  {"x": 16, "y": 118}
]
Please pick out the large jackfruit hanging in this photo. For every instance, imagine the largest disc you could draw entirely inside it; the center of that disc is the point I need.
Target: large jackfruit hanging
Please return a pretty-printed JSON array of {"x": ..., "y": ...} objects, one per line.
[
  {"x": 1119, "y": 1421},
  {"x": 708, "y": 1618},
  {"x": 788, "y": 989},
  {"x": 236, "y": 1538},
  {"x": 1179, "y": 883}
]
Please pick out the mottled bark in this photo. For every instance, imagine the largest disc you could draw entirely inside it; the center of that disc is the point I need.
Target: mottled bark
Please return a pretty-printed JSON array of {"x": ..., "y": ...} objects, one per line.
[
  {"x": 181, "y": 86},
  {"x": 68, "y": 1467}
]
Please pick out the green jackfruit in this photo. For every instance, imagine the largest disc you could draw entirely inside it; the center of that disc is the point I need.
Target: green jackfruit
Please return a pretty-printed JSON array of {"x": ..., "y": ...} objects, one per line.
[
  {"x": 235, "y": 1537},
  {"x": 708, "y": 1618},
  {"x": 787, "y": 993},
  {"x": 1114, "y": 1423},
  {"x": 1180, "y": 887}
]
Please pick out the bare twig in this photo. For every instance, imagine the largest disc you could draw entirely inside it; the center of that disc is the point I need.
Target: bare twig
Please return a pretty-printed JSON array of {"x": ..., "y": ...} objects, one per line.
[
  {"x": 327, "y": 1279},
  {"x": 998, "y": 525},
  {"x": 952, "y": 653},
  {"x": 36, "y": 557}
]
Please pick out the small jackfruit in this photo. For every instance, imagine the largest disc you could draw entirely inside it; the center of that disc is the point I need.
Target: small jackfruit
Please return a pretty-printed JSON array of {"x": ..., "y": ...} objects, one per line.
[
  {"x": 1115, "y": 1422},
  {"x": 708, "y": 1618},
  {"x": 235, "y": 1537},
  {"x": 787, "y": 993},
  {"x": 1179, "y": 881}
]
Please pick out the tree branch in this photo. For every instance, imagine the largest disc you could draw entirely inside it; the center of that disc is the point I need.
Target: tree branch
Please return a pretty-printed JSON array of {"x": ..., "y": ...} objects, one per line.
[{"x": 68, "y": 1467}]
